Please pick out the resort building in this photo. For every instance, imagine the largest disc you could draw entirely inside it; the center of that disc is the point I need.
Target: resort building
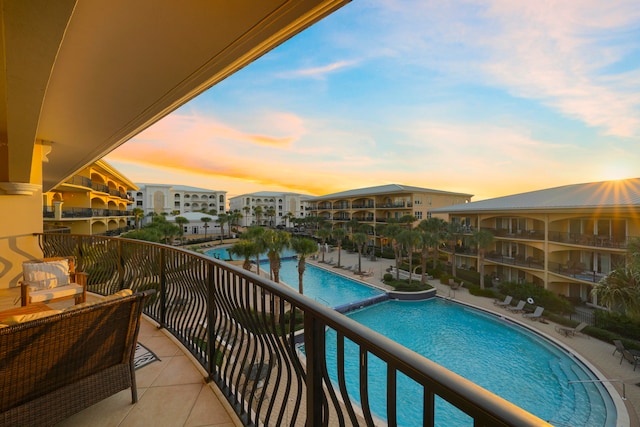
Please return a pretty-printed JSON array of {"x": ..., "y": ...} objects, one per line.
[
  {"x": 93, "y": 201},
  {"x": 178, "y": 199},
  {"x": 269, "y": 208},
  {"x": 377, "y": 205},
  {"x": 564, "y": 239}
]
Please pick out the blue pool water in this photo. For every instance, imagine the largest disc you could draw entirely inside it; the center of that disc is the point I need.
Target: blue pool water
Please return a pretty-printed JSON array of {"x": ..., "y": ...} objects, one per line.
[
  {"x": 223, "y": 254},
  {"x": 506, "y": 359}
]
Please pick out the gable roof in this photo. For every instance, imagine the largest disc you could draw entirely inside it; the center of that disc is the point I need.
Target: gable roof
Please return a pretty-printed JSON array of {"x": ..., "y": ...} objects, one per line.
[
  {"x": 384, "y": 189},
  {"x": 603, "y": 194}
]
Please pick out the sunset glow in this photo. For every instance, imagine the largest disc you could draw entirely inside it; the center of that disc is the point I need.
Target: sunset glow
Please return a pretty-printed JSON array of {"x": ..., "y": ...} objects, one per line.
[{"x": 486, "y": 98}]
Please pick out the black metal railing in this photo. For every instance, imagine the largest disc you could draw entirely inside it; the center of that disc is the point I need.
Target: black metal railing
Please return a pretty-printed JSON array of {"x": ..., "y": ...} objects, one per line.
[
  {"x": 596, "y": 240},
  {"x": 80, "y": 181},
  {"x": 576, "y": 271},
  {"x": 529, "y": 234},
  {"x": 247, "y": 332}
]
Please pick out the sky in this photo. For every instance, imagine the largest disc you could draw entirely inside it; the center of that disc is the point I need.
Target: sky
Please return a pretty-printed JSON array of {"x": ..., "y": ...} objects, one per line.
[{"x": 488, "y": 98}]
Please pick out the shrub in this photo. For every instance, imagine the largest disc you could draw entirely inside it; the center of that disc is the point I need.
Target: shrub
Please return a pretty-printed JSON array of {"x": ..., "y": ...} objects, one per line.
[
  {"x": 541, "y": 296},
  {"x": 618, "y": 323},
  {"x": 388, "y": 277},
  {"x": 477, "y": 291},
  {"x": 444, "y": 278}
]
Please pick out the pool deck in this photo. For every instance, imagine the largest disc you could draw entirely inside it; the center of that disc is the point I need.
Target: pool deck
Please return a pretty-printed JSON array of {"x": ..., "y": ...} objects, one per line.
[{"x": 594, "y": 352}]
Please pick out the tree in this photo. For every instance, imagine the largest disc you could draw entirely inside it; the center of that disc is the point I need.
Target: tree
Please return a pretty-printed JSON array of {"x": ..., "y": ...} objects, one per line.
[
  {"x": 453, "y": 233},
  {"x": 274, "y": 242},
  {"x": 138, "y": 214},
  {"x": 254, "y": 235},
  {"x": 223, "y": 218},
  {"x": 437, "y": 229},
  {"x": 360, "y": 239},
  {"x": 257, "y": 212},
  {"x": 206, "y": 220},
  {"x": 181, "y": 222},
  {"x": 483, "y": 239},
  {"x": 426, "y": 241},
  {"x": 323, "y": 233},
  {"x": 339, "y": 234},
  {"x": 245, "y": 249},
  {"x": 246, "y": 210},
  {"x": 303, "y": 247},
  {"x": 391, "y": 232},
  {"x": 409, "y": 239},
  {"x": 271, "y": 213},
  {"x": 620, "y": 289}
]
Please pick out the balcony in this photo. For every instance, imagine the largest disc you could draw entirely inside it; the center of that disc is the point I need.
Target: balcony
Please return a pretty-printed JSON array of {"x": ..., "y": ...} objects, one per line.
[
  {"x": 576, "y": 271},
  {"x": 518, "y": 260},
  {"x": 589, "y": 240},
  {"x": 530, "y": 234},
  {"x": 230, "y": 319},
  {"x": 80, "y": 181}
]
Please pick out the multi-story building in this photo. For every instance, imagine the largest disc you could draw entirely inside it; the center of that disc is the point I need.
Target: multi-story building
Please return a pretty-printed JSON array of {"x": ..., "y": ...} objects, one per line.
[
  {"x": 270, "y": 208},
  {"x": 564, "y": 239},
  {"x": 377, "y": 205},
  {"x": 93, "y": 201},
  {"x": 178, "y": 199}
]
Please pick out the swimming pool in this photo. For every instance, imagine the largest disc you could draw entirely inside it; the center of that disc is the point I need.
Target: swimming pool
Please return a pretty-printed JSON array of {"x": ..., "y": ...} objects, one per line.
[
  {"x": 496, "y": 354},
  {"x": 223, "y": 254}
]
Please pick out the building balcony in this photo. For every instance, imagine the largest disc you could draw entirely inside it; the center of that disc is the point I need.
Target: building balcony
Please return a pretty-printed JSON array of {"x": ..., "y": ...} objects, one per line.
[
  {"x": 529, "y": 234},
  {"x": 232, "y": 321},
  {"x": 518, "y": 260},
  {"x": 589, "y": 240}
]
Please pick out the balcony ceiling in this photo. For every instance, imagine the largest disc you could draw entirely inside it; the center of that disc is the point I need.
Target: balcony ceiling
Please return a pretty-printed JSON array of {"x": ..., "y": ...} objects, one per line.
[{"x": 85, "y": 76}]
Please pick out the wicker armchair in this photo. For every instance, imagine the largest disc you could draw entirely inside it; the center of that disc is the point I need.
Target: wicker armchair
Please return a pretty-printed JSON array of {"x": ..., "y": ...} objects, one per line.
[{"x": 58, "y": 365}]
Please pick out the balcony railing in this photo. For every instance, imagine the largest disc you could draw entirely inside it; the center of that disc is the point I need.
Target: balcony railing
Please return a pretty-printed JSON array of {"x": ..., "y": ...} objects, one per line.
[
  {"x": 519, "y": 260},
  {"x": 530, "y": 234},
  {"x": 575, "y": 271},
  {"x": 81, "y": 181},
  {"x": 589, "y": 240},
  {"x": 244, "y": 330}
]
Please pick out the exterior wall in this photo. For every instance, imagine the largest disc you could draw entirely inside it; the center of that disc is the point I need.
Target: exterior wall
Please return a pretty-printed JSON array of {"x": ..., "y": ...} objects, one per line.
[
  {"x": 565, "y": 251},
  {"x": 94, "y": 201},
  {"x": 282, "y": 204},
  {"x": 169, "y": 199}
]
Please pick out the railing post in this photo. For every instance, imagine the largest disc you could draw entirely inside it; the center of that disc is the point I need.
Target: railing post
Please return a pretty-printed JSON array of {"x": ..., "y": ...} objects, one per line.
[
  {"x": 314, "y": 348},
  {"x": 211, "y": 319},
  {"x": 163, "y": 289}
]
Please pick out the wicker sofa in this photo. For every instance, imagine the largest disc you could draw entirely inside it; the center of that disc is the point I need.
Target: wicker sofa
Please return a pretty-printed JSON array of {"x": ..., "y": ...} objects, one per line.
[{"x": 53, "y": 367}]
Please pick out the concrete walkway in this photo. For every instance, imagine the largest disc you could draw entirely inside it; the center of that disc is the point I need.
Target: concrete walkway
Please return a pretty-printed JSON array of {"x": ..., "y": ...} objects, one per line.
[{"x": 594, "y": 353}]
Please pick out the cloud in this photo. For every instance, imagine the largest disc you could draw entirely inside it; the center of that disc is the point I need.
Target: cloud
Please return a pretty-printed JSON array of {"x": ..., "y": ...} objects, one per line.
[{"x": 318, "y": 72}]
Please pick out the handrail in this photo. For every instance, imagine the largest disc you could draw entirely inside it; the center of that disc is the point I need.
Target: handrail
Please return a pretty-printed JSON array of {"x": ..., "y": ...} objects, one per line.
[{"x": 244, "y": 330}]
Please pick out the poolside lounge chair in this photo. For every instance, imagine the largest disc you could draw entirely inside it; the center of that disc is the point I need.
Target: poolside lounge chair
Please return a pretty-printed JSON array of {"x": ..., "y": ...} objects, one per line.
[
  {"x": 619, "y": 348},
  {"x": 536, "y": 315},
  {"x": 507, "y": 301},
  {"x": 367, "y": 273},
  {"x": 570, "y": 332},
  {"x": 518, "y": 308},
  {"x": 631, "y": 358}
]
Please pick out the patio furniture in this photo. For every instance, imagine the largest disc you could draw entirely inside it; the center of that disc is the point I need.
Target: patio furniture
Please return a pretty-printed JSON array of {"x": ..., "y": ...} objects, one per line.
[
  {"x": 633, "y": 358},
  {"x": 507, "y": 301},
  {"x": 518, "y": 308},
  {"x": 55, "y": 366},
  {"x": 619, "y": 348},
  {"x": 571, "y": 332},
  {"x": 52, "y": 279},
  {"x": 536, "y": 315}
]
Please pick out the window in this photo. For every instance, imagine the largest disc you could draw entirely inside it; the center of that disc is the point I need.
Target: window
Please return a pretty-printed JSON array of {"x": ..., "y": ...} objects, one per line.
[
  {"x": 418, "y": 214},
  {"x": 417, "y": 202},
  {"x": 429, "y": 214}
]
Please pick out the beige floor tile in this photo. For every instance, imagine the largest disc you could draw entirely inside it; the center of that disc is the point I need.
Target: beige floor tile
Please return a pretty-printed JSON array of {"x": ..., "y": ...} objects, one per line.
[
  {"x": 107, "y": 413},
  {"x": 178, "y": 370},
  {"x": 208, "y": 411},
  {"x": 160, "y": 345},
  {"x": 168, "y": 406}
]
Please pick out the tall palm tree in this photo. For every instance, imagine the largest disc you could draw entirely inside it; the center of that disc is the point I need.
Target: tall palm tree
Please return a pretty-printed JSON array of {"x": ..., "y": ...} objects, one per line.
[
  {"x": 206, "y": 220},
  {"x": 246, "y": 210},
  {"x": 409, "y": 239},
  {"x": 246, "y": 249},
  {"x": 303, "y": 247},
  {"x": 391, "y": 232},
  {"x": 453, "y": 233},
  {"x": 483, "y": 239},
  {"x": 323, "y": 233},
  {"x": 257, "y": 212},
  {"x": 138, "y": 214},
  {"x": 339, "y": 234},
  {"x": 436, "y": 228},
  {"x": 620, "y": 290},
  {"x": 274, "y": 242},
  {"x": 427, "y": 240},
  {"x": 181, "y": 222},
  {"x": 360, "y": 239},
  {"x": 271, "y": 213},
  {"x": 254, "y": 235},
  {"x": 223, "y": 218}
]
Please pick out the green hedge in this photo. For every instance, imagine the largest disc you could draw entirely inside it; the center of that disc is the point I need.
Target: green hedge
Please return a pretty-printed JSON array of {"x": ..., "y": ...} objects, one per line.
[{"x": 541, "y": 296}]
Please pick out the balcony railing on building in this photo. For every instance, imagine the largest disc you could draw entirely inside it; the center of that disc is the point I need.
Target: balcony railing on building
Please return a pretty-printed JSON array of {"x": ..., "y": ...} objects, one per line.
[
  {"x": 265, "y": 345},
  {"x": 601, "y": 241}
]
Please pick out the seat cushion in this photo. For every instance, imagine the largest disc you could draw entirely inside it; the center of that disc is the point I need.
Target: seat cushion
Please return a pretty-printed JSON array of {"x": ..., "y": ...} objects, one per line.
[
  {"x": 46, "y": 275},
  {"x": 43, "y": 295},
  {"x": 21, "y": 318}
]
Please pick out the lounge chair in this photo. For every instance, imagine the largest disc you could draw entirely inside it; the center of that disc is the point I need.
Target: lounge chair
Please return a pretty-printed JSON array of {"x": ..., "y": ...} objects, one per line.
[
  {"x": 619, "y": 348},
  {"x": 507, "y": 301},
  {"x": 633, "y": 358},
  {"x": 571, "y": 332},
  {"x": 536, "y": 315},
  {"x": 518, "y": 308}
]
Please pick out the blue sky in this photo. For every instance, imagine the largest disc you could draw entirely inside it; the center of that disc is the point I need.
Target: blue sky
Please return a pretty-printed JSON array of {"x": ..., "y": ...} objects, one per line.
[{"x": 488, "y": 98}]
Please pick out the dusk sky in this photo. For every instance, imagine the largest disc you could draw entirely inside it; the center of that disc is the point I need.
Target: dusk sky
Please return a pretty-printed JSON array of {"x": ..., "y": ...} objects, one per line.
[{"x": 488, "y": 98}]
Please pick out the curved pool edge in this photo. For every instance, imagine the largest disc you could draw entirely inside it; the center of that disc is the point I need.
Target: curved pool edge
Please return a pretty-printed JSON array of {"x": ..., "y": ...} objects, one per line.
[{"x": 622, "y": 414}]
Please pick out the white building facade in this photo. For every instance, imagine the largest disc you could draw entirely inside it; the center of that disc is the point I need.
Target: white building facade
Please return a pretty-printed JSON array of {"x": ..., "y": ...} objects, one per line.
[
  {"x": 178, "y": 199},
  {"x": 269, "y": 208}
]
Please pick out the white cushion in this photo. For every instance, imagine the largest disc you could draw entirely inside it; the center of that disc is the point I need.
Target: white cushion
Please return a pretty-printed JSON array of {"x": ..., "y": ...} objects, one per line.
[
  {"x": 43, "y": 295},
  {"x": 46, "y": 275}
]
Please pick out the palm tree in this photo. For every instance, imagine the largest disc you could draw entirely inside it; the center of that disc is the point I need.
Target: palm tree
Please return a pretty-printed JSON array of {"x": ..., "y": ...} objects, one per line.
[
  {"x": 391, "y": 232},
  {"x": 303, "y": 247},
  {"x": 138, "y": 214},
  {"x": 453, "y": 233},
  {"x": 206, "y": 220},
  {"x": 409, "y": 239},
  {"x": 339, "y": 234},
  {"x": 181, "y": 222},
  {"x": 254, "y": 235},
  {"x": 246, "y": 210},
  {"x": 274, "y": 242},
  {"x": 257, "y": 212},
  {"x": 271, "y": 213},
  {"x": 427, "y": 240},
  {"x": 360, "y": 239},
  {"x": 483, "y": 239},
  {"x": 246, "y": 249},
  {"x": 436, "y": 228},
  {"x": 223, "y": 218},
  {"x": 323, "y": 233}
]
